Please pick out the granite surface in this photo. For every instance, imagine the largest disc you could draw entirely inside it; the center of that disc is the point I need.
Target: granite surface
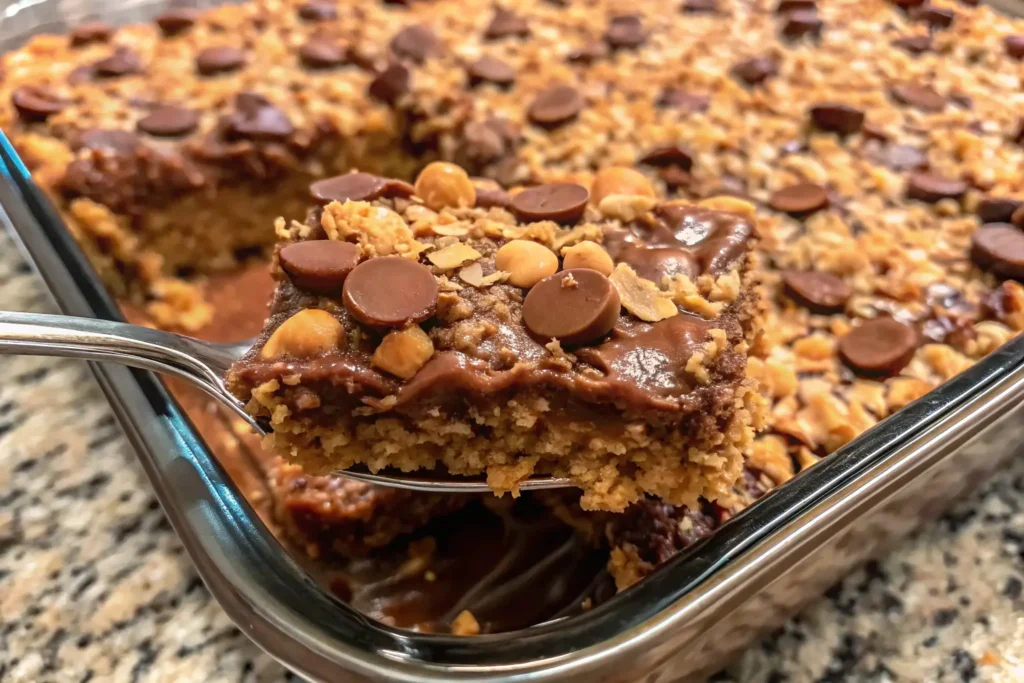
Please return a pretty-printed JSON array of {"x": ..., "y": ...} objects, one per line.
[{"x": 95, "y": 586}]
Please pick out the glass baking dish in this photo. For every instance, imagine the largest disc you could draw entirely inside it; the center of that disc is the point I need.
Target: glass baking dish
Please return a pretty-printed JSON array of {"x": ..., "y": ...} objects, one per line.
[{"x": 679, "y": 624}]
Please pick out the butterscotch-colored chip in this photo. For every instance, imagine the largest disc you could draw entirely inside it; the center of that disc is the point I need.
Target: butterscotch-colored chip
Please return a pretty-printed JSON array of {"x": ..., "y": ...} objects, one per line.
[
  {"x": 306, "y": 334},
  {"x": 442, "y": 185},
  {"x": 403, "y": 352},
  {"x": 619, "y": 180},
  {"x": 588, "y": 255},
  {"x": 526, "y": 262},
  {"x": 453, "y": 256},
  {"x": 641, "y": 297}
]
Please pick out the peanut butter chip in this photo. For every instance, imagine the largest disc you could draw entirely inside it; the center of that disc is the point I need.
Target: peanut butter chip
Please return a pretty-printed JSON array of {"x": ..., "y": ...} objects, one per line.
[
  {"x": 36, "y": 102},
  {"x": 175, "y": 21},
  {"x": 217, "y": 60},
  {"x": 575, "y": 307},
  {"x": 918, "y": 96},
  {"x": 319, "y": 266},
  {"x": 801, "y": 199},
  {"x": 322, "y": 53},
  {"x": 169, "y": 120},
  {"x": 930, "y": 188},
  {"x": 559, "y": 202},
  {"x": 555, "y": 106},
  {"x": 390, "y": 291},
  {"x": 820, "y": 292},
  {"x": 999, "y": 248},
  {"x": 837, "y": 118},
  {"x": 358, "y": 187},
  {"x": 879, "y": 347},
  {"x": 488, "y": 69}
]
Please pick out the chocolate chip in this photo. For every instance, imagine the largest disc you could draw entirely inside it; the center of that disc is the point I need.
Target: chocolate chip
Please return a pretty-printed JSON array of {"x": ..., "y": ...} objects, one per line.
[
  {"x": 122, "y": 62},
  {"x": 915, "y": 45},
  {"x": 878, "y": 347},
  {"x": 756, "y": 70},
  {"x": 1018, "y": 133},
  {"x": 390, "y": 84},
  {"x": 801, "y": 199},
  {"x": 999, "y": 248},
  {"x": 1018, "y": 218},
  {"x": 819, "y": 292},
  {"x": 256, "y": 118},
  {"x": 555, "y": 106},
  {"x": 625, "y": 32},
  {"x": 483, "y": 142},
  {"x": 319, "y": 266},
  {"x": 36, "y": 102},
  {"x": 668, "y": 155},
  {"x": 907, "y": 4},
  {"x": 390, "y": 291},
  {"x": 169, "y": 120},
  {"x": 321, "y": 53},
  {"x": 488, "y": 197},
  {"x": 837, "y": 118},
  {"x": 588, "y": 53},
  {"x": 700, "y": 6},
  {"x": 575, "y": 306},
  {"x": 415, "y": 43},
  {"x": 1014, "y": 46},
  {"x": 318, "y": 11},
  {"x": 693, "y": 103},
  {"x": 559, "y": 202},
  {"x": 800, "y": 23},
  {"x": 91, "y": 32},
  {"x": 358, "y": 187},
  {"x": 488, "y": 69},
  {"x": 997, "y": 209},
  {"x": 920, "y": 97},
  {"x": 108, "y": 140},
  {"x": 175, "y": 21},
  {"x": 931, "y": 188},
  {"x": 935, "y": 17},
  {"x": 793, "y": 5},
  {"x": 506, "y": 23},
  {"x": 218, "y": 60}
]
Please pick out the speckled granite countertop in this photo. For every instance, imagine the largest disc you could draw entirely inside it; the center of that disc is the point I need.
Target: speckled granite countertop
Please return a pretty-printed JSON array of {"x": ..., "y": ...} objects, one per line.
[{"x": 95, "y": 586}]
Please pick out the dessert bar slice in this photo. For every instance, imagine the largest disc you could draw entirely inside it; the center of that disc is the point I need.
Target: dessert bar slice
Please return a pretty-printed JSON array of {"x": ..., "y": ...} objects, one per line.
[{"x": 600, "y": 338}]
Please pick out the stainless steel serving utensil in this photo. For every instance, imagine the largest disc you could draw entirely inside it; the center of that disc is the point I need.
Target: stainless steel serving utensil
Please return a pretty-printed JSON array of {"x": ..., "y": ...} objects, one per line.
[{"x": 203, "y": 364}]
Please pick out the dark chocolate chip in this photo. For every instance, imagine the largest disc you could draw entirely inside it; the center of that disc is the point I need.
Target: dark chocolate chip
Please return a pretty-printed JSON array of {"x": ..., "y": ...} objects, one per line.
[
  {"x": 930, "y": 188},
  {"x": 555, "y": 106},
  {"x": 390, "y": 84},
  {"x": 625, "y": 32},
  {"x": 169, "y": 120},
  {"x": 756, "y": 70},
  {"x": 935, "y": 17},
  {"x": 837, "y": 118},
  {"x": 801, "y": 199},
  {"x": 109, "y": 140},
  {"x": 800, "y": 23},
  {"x": 415, "y": 43},
  {"x": 999, "y": 248},
  {"x": 175, "y": 21},
  {"x": 575, "y": 306},
  {"x": 907, "y": 4},
  {"x": 668, "y": 155},
  {"x": 218, "y": 60},
  {"x": 1014, "y": 46},
  {"x": 319, "y": 266},
  {"x": 91, "y": 32},
  {"x": 1018, "y": 218},
  {"x": 322, "y": 53},
  {"x": 819, "y": 292},
  {"x": 506, "y": 23},
  {"x": 390, "y": 291},
  {"x": 559, "y": 202},
  {"x": 358, "y": 187},
  {"x": 122, "y": 62},
  {"x": 878, "y": 347},
  {"x": 318, "y": 10},
  {"x": 915, "y": 45},
  {"x": 488, "y": 69},
  {"x": 1018, "y": 133},
  {"x": 488, "y": 196},
  {"x": 256, "y": 118},
  {"x": 36, "y": 102},
  {"x": 691, "y": 102},
  {"x": 793, "y": 5},
  {"x": 918, "y": 96},
  {"x": 700, "y": 6},
  {"x": 588, "y": 53},
  {"x": 997, "y": 209}
]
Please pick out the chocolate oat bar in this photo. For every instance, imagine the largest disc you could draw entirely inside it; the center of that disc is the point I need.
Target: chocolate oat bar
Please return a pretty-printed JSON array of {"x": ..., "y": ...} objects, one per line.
[{"x": 449, "y": 324}]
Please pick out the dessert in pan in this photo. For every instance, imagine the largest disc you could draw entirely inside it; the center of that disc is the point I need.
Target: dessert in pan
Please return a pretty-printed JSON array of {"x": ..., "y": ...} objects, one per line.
[
  {"x": 415, "y": 328},
  {"x": 880, "y": 143}
]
